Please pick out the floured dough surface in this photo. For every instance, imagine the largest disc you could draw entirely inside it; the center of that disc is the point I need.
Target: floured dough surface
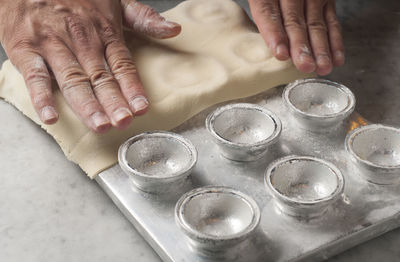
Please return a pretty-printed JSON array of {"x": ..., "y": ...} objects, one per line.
[{"x": 218, "y": 56}]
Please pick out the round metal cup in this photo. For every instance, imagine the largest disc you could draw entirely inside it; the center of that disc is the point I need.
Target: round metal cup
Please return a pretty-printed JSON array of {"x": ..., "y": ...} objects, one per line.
[
  {"x": 243, "y": 131},
  {"x": 318, "y": 103},
  {"x": 304, "y": 186},
  {"x": 216, "y": 218},
  {"x": 158, "y": 161},
  {"x": 375, "y": 150}
]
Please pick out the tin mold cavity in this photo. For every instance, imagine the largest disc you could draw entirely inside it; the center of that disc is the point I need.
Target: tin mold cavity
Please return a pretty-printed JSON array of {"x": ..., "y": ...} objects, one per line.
[
  {"x": 319, "y": 99},
  {"x": 244, "y": 125},
  {"x": 218, "y": 214},
  {"x": 378, "y": 145},
  {"x": 216, "y": 218},
  {"x": 158, "y": 155},
  {"x": 243, "y": 131},
  {"x": 304, "y": 180}
]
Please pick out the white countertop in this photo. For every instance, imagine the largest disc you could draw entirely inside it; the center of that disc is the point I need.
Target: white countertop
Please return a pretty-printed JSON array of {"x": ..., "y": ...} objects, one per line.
[{"x": 50, "y": 210}]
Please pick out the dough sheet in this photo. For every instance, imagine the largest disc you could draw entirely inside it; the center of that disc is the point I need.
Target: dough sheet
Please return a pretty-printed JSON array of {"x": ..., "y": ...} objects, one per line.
[{"x": 218, "y": 56}]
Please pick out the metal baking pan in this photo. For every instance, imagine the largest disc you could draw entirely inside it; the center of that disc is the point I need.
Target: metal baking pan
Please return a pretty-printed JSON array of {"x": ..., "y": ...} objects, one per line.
[{"x": 363, "y": 210}]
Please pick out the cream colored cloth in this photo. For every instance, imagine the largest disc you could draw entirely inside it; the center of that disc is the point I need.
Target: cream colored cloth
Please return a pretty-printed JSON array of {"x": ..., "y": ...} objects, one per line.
[{"x": 219, "y": 56}]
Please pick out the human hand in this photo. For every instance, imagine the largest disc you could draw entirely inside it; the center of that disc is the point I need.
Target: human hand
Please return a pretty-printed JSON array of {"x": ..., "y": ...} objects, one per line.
[
  {"x": 80, "y": 42},
  {"x": 308, "y": 31}
]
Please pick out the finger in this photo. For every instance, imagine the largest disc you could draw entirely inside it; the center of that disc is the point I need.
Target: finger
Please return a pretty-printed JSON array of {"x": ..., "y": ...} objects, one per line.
[
  {"x": 335, "y": 34},
  {"x": 89, "y": 51},
  {"x": 106, "y": 89},
  {"x": 124, "y": 70},
  {"x": 144, "y": 19},
  {"x": 295, "y": 26},
  {"x": 318, "y": 35},
  {"x": 268, "y": 18},
  {"x": 37, "y": 79},
  {"x": 75, "y": 86},
  {"x": 119, "y": 59}
]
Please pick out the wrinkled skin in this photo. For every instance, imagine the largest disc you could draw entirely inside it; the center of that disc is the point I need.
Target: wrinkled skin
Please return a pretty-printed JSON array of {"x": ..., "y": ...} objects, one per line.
[
  {"x": 81, "y": 43},
  {"x": 307, "y": 31}
]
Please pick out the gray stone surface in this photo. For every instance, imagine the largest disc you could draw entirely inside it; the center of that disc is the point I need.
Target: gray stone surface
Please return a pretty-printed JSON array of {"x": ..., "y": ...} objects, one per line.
[{"x": 50, "y": 211}]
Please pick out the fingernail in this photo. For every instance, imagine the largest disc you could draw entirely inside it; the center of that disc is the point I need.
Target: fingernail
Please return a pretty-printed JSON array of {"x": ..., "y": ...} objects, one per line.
[
  {"x": 121, "y": 114},
  {"x": 307, "y": 63},
  {"x": 170, "y": 24},
  {"x": 305, "y": 53},
  {"x": 48, "y": 114},
  {"x": 304, "y": 57},
  {"x": 100, "y": 121},
  {"x": 139, "y": 103},
  {"x": 323, "y": 60},
  {"x": 282, "y": 51},
  {"x": 168, "y": 29},
  {"x": 339, "y": 55}
]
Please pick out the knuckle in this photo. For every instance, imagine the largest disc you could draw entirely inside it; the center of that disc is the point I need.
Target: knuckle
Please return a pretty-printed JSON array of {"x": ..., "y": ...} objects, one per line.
[
  {"x": 145, "y": 15},
  {"x": 317, "y": 3},
  {"x": 77, "y": 29},
  {"x": 22, "y": 44},
  {"x": 316, "y": 25},
  {"x": 149, "y": 12},
  {"x": 72, "y": 77},
  {"x": 36, "y": 75},
  {"x": 101, "y": 77},
  {"x": 121, "y": 63},
  {"x": 322, "y": 53},
  {"x": 123, "y": 67},
  {"x": 62, "y": 8},
  {"x": 108, "y": 31},
  {"x": 293, "y": 20},
  {"x": 51, "y": 38},
  {"x": 120, "y": 58},
  {"x": 271, "y": 9},
  {"x": 37, "y": 3},
  {"x": 334, "y": 23},
  {"x": 72, "y": 72}
]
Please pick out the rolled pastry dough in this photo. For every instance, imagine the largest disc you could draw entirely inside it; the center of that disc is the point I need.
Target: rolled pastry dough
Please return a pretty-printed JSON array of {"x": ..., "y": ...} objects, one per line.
[{"x": 218, "y": 56}]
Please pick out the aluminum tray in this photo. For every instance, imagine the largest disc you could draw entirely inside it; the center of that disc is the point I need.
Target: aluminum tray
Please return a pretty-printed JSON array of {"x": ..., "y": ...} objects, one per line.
[{"x": 365, "y": 211}]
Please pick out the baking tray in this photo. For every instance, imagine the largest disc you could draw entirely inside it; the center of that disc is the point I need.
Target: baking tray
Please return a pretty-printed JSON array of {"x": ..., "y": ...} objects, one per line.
[{"x": 364, "y": 211}]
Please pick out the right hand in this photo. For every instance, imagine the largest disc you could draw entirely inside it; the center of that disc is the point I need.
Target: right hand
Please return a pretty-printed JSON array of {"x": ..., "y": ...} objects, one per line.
[
  {"x": 81, "y": 43},
  {"x": 307, "y": 31}
]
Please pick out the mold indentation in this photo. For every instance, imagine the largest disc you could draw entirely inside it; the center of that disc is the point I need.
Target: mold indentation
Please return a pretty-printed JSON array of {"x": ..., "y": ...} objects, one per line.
[
  {"x": 186, "y": 71},
  {"x": 213, "y": 12},
  {"x": 177, "y": 70},
  {"x": 251, "y": 48},
  {"x": 165, "y": 71}
]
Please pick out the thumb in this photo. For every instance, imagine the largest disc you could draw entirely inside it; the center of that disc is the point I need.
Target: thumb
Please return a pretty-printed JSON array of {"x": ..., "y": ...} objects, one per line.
[{"x": 144, "y": 19}]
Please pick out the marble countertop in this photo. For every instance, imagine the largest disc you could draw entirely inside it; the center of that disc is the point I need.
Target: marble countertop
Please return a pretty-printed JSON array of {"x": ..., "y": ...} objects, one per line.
[{"x": 50, "y": 210}]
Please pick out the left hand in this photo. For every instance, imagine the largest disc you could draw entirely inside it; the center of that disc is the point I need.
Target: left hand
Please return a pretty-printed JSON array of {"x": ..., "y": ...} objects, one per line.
[
  {"x": 307, "y": 31},
  {"x": 81, "y": 43}
]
